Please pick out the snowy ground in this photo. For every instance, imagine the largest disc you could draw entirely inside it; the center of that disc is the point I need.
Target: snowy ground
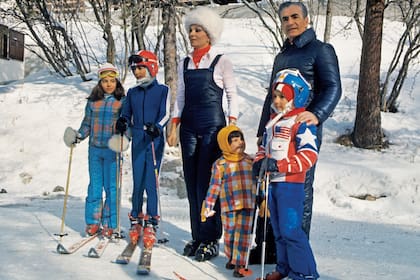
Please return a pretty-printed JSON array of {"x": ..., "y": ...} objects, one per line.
[{"x": 351, "y": 238}]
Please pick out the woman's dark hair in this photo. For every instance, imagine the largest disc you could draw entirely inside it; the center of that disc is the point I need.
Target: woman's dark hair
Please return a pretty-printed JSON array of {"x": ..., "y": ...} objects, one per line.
[
  {"x": 302, "y": 6},
  {"x": 98, "y": 92},
  {"x": 234, "y": 134}
]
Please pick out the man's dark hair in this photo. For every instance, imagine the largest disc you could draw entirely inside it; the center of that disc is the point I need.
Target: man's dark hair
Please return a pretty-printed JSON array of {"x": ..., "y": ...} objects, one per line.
[
  {"x": 233, "y": 134},
  {"x": 302, "y": 6}
]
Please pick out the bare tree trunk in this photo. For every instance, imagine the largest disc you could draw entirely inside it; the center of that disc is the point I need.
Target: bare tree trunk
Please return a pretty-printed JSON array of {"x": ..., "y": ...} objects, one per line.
[
  {"x": 102, "y": 11},
  {"x": 169, "y": 49},
  {"x": 271, "y": 13},
  {"x": 110, "y": 48},
  {"x": 328, "y": 21},
  {"x": 356, "y": 18},
  {"x": 141, "y": 15},
  {"x": 57, "y": 44},
  {"x": 408, "y": 48},
  {"x": 402, "y": 74},
  {"x": 124, "y": 60},
  {"x": 367, "y": 129}
]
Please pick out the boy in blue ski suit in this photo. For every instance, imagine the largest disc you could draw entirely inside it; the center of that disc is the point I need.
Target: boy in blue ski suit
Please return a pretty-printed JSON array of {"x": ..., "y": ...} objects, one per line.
[
  {"x": 146, "y": 111},
  {"x": 101, "y": 113}
]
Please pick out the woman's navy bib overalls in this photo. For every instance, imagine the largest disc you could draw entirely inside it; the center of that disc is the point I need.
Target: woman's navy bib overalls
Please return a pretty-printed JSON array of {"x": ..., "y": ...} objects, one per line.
[{"x": 201, "y": 120}]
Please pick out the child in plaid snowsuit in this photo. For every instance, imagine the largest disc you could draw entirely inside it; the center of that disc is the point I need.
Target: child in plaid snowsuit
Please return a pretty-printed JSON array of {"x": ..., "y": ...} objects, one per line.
[
  {"x": 231, "y": 181},
  {"x": 102, "y": 110}
]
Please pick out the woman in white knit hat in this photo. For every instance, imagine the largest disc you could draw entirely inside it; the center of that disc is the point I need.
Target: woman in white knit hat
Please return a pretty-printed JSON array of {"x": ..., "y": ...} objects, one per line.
[{"x": 204, "y": 77}]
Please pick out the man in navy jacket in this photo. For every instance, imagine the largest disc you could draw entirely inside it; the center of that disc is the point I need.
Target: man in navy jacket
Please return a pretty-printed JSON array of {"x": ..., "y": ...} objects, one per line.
[{"x": 318, "y": 63}]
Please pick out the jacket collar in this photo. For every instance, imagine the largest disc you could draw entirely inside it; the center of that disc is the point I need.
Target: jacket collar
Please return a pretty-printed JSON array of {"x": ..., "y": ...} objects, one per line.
[
  {"x": 303, "y": 39},
  {"x": 146, "y": 83}
]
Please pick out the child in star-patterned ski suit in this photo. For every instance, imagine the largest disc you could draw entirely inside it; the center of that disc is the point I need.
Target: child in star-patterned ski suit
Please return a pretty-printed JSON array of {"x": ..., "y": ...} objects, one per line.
[{"x": 290, "y": 148}]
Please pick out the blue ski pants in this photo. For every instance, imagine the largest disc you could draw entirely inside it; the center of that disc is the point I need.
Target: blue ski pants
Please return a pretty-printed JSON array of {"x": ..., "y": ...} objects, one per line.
[
  {"x": 294, "y": 253},
  {"x": 102, "y": 177},
  {"x": 144, "y": 178}
]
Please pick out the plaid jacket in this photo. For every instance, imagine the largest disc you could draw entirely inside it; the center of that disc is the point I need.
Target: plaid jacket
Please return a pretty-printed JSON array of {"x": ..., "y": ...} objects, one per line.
[
  {"x": 232, "y": 183},
  {"x": 99, "y": 120}
]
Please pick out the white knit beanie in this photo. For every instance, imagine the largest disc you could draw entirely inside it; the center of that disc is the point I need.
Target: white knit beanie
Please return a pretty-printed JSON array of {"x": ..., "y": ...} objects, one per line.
[
  {"x": 107, "y": 67},
  {"x": 208, "y": 19}
]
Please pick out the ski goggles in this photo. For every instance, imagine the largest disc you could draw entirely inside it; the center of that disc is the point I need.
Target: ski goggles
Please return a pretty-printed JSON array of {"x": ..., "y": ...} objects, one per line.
[
  {"x": 105, "y": 74},
  {"x": 136, "y": 60}
]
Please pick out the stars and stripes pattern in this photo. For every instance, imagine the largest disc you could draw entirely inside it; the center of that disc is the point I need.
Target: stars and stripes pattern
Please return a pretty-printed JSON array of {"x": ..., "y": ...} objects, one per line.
[{"x": 293, "y": 145}]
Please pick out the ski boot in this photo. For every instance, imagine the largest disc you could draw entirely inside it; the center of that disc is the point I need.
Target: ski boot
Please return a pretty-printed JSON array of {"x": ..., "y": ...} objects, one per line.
[
  {"x": 149, "y": 235},
  {"x": 136, "y": 229},
  {"x": 92, "y": 229},
  {"x": 107, "y": 232}
]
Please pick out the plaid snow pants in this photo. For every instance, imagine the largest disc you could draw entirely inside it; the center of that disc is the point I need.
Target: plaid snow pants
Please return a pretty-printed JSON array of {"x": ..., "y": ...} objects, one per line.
[{"x": 237, "y": 227}]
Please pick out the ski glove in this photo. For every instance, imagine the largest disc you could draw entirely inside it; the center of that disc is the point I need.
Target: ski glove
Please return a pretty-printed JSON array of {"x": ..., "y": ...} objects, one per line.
[
  {"x": 272, "y": 165},
  {"x": 152, "y": 130},
  {"x": 71, "y": 137},
  {"x": 121, "y": 125}
]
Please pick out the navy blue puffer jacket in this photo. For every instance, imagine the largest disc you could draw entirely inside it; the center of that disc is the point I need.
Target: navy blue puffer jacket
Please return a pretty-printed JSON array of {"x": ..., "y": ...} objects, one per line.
[{"x": 318, "y": 63}]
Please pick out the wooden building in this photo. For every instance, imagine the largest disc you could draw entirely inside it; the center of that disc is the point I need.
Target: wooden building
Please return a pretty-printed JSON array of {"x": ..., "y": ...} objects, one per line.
[{"x": 12, "y": 44}]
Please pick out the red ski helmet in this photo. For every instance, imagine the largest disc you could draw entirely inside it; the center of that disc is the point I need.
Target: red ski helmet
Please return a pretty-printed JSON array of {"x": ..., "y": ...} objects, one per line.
[{"x": 146, "y": 59}]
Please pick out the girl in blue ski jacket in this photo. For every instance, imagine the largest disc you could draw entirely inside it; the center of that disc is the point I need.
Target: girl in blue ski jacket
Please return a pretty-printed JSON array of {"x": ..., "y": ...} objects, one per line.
[
  {"x": 146, "y": 112},
  {"x": 101, "y": 113}
]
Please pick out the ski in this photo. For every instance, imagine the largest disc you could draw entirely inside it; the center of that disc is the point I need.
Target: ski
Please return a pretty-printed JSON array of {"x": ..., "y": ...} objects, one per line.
[
  {"x": 98, "y": 250},
  {"x": 149, "y": 238},
  {"x": 126, "y": 254},
  {"x": 61, "y": 249},
  {"x": 143, "y": 268},
  {"x": 178, "y": 276}
]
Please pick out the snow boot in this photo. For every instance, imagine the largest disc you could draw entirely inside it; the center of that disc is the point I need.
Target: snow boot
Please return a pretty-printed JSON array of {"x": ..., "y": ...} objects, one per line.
[
  {"x": 275, "y": 275},
  {"x": 190, "y": 248},
  {"x": 136, "y": 229},
  {"x": 237, "y": 272},
  {"x": 229, "y": 265},
  {"x": 207, "y": 250},
  {"x": 92, "y": 229}
]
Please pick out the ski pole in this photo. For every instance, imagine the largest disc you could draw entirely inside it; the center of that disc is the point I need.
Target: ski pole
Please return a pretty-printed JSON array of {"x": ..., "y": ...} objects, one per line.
[
  {"x": 163, "y": 239},
  {"x": 66, "y": 195},
  {"x": 267, "y": 182},
  {"x": 119, "y": 184}
]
